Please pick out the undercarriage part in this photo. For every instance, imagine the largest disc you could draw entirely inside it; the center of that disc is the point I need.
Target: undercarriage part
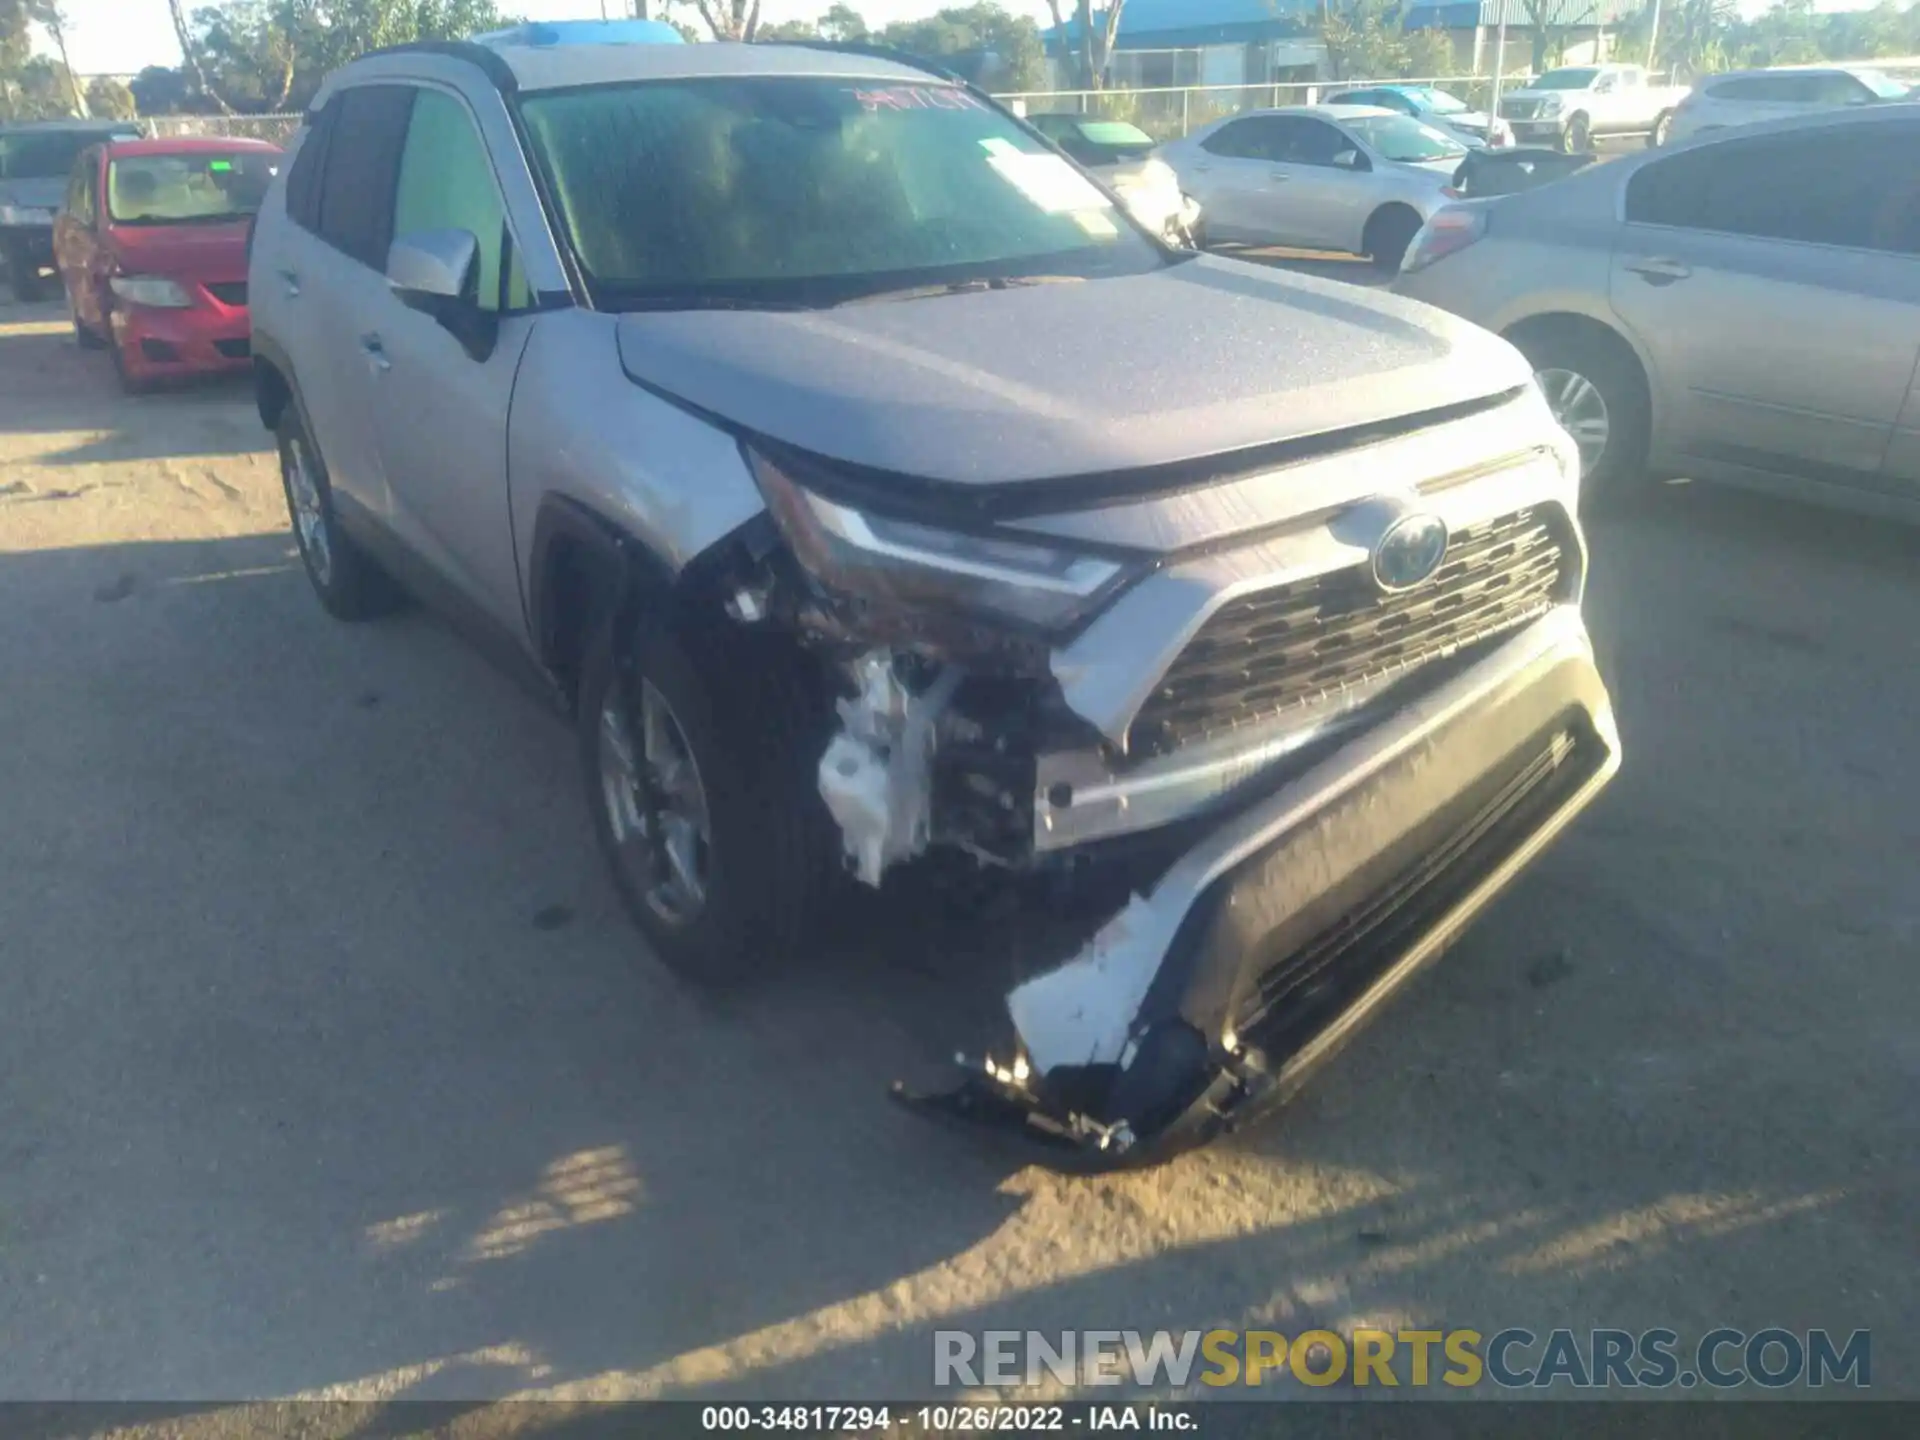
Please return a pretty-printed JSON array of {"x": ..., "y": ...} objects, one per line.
[{"x": 876, "y": 773}]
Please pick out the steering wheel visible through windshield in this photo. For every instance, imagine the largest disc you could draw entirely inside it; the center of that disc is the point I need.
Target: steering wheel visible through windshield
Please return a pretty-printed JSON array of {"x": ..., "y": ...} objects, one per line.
[
  {"x": 789, "y": 190},
  {"x": 1398, "y": 138}
]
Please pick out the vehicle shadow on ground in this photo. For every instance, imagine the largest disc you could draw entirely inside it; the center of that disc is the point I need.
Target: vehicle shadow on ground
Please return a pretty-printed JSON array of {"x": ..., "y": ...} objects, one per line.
[
  {"x": 54, "y": 413},
  {"x": 330, "y": 1043}
]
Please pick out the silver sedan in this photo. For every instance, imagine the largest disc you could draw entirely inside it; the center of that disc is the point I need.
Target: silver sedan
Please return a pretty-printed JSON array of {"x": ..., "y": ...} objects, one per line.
[{"x": 1324, "y": 177}]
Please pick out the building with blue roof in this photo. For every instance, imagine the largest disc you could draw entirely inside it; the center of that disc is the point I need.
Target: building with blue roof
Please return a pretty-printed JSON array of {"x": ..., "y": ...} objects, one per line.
[{"x": 1262, "y": 42}]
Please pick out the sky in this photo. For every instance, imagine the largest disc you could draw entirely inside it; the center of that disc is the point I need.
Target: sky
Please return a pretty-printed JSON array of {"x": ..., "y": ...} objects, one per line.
[{"x": 120, "y": 37}]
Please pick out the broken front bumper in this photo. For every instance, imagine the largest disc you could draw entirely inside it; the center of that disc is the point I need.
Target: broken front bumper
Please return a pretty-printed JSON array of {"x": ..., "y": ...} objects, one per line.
[{"x": 1265, "y": 946}]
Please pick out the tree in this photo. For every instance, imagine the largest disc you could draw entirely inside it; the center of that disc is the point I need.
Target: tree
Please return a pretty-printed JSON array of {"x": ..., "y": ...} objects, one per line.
[
  {"x": 1097, "y": 37},
  {"x": 1365, "y": 40},
  {"x": 843, "y": 24},
  {"x": 1430, "y": 54},
  {"x": 161, "y": 90},
  {"x": 48, "y": 14},
  {"x": 1553, "y": 23},
  {"x": 110, "y": 100},
  {"x": 730, "y": 19},
  {"x": 1002, "y": 50}
]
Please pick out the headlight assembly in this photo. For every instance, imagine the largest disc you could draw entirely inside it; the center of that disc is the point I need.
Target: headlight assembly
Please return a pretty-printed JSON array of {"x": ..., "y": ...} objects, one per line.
[
  {"x": 154, "y": 291},
  {"x": 885, "y": 560}
]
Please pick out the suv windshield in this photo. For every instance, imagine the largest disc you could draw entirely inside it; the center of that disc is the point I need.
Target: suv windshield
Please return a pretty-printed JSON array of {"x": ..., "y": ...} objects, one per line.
[
  {"x": 1438, "y": 101},
  {"x": 1565, "y": 80},
  {"x": 783, "y": 190},
  {"x": 1398, "y": 138},
  {"x": 195, "y": 189},
  {"x": 46, "y": 155}
]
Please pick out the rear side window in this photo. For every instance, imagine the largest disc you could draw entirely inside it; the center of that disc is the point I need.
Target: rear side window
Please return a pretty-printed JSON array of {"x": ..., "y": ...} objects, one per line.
[
  {"x": 1849, "y": 185},
  {"x": 362, "y": 168},
  {"x": 1762, "y": 88},
  {"x": 1253, "y": 139},
  {"x": 309, "y": 165}
]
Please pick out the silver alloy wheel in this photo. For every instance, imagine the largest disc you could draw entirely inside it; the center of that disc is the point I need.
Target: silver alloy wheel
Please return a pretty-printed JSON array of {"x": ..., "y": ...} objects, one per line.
[
  {"x": 1581, "y": 409},
  {"x": 309, "y": 514},
  {"x": 656, "y": 803}
]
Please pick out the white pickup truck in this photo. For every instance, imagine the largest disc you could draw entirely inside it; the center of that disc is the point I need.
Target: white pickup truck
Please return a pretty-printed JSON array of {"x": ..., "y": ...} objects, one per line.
[{"x": 1572, "y": 106}]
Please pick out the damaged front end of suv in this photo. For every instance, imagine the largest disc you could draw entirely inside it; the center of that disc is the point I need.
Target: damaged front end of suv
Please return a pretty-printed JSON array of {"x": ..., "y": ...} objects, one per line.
[{"x": 1310, "y": 750}]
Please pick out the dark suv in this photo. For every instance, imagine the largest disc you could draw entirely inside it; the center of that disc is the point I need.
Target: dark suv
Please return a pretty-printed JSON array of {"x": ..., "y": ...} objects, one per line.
[{"x": 35, "y": 161}]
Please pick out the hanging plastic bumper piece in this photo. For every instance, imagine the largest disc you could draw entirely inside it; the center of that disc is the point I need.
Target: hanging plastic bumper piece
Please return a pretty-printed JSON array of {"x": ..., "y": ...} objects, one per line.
[{"x": 1272, "y": 940}]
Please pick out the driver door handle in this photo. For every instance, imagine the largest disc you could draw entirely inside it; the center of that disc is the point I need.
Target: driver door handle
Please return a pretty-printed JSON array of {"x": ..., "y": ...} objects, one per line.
[
  {"x": 291, "y": 279},
  {"x": 376, "y": 353},
  {"x": 1658, "y": 270},
  {"x": 1278, "y": 176}
]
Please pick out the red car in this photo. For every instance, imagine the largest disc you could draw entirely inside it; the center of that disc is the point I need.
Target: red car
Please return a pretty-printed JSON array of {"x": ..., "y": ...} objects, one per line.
[{"x": 152, "y": 245}]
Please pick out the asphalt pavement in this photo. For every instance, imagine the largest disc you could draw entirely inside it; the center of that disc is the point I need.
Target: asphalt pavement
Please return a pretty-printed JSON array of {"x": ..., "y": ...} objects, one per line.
[{"x": 331, "y": 1068}]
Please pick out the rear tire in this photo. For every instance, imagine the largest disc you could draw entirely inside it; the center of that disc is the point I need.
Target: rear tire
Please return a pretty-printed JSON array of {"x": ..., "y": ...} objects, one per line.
[
  {"x": 25, "y": 275},
  {"x": 1388, "y": 235},
  {"x": 351, "y": 586},
  {"x": 746, "y": 720},
  {"x": 1581, "y": 370}
]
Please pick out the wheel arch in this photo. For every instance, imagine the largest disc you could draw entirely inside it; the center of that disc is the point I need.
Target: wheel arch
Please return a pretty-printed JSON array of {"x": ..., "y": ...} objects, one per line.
[
  {"x": 1576, "y": 323},
  {"x": 273, "y": 385},
  {"x": 585, "y": 569},
  {"x": 1384, "y": 210}
]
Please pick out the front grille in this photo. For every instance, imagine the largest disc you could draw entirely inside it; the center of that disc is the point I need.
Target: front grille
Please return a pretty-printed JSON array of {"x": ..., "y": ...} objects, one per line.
[
  {"x": 1278, "y": 649},
  {"x": 234, "y": 349},
  {"x": 1519, "y": 109},
  {"x": 229, "y": 292}
]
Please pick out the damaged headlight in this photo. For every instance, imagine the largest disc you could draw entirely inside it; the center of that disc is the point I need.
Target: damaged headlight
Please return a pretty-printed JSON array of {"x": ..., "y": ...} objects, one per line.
[{"x": 892, "y": 561}]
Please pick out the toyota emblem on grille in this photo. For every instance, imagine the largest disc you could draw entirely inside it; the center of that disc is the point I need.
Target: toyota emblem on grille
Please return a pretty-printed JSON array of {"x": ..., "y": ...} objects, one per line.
[{"x": 1409, "y": 552}]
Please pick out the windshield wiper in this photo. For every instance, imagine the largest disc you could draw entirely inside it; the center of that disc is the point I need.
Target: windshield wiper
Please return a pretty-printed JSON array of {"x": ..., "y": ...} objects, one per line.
[
  {"x": 963, "y": 287},
  {"x": 659, "y": 303}
]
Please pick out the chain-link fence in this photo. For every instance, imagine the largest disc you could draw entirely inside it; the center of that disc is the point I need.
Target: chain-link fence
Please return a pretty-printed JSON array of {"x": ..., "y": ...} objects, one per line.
[
  {"x": 277, "y": 129},
  {"x": 1167, "y": 114}
]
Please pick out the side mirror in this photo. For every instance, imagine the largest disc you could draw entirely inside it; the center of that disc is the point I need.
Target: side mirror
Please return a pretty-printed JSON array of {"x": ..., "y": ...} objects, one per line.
[
  {"x": 1350, "y": 160},
  {"x": 437, "y": 272}
]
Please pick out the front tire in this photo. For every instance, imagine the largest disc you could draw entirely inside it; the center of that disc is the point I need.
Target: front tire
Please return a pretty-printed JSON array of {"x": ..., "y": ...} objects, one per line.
[
  {"x": 1599, "y": 395},
  {"x": 1662, "y": 130},
  {"x": 350, "y": 585},
  {"x": 701, "y": 781},
  {"x": 1577, "y": 138}
]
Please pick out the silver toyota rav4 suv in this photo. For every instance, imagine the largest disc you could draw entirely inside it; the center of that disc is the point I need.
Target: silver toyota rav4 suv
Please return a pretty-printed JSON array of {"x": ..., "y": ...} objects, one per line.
[{"x": 868, "y": 484}]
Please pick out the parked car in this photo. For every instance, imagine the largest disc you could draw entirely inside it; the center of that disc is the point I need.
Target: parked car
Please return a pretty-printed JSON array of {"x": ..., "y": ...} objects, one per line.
[
  {"x": 35, "y": 160},
  {"x": 1521, "y": 167},
  {"x": 151, "y": 244},
  {"x": 1323, "y": 177},
  {"x": 869, "y": 486},
  {"x": 1577, "y": 104},
  {"x": 1122, "y": 156},
  {"x": 1432, "y": 106},
  {"x": 1743, "y": 97},
  {"x": 1743, "y": 308}
]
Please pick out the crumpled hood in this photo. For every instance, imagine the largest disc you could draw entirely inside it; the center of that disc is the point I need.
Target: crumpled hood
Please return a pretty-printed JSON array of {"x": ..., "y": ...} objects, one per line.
[
  {"x": 186, "y": 252},
  {"x": 1197, "y": 359}
]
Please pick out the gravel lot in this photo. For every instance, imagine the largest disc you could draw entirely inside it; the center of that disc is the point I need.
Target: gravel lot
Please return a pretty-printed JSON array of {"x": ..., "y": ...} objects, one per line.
[{"x": 331, "y": 1068}]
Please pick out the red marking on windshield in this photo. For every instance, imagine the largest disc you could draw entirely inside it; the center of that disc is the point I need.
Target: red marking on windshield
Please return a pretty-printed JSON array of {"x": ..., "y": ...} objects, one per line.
[{"x": 916, "y": 97}]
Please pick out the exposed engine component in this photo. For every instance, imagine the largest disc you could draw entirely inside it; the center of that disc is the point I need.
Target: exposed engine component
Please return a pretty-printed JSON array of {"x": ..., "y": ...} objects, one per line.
[{"x": 876, "y": 773}]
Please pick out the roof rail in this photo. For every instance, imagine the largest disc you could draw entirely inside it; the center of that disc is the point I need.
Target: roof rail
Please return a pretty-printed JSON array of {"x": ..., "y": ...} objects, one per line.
[
  {"x": 488, "y": 60},
  {"x": 878, "y": 52}
]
